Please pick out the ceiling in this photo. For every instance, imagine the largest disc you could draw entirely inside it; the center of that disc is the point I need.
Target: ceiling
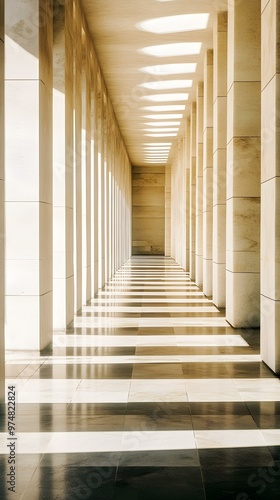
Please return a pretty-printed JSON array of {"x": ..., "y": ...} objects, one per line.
[{"x": 119, "y": 40}]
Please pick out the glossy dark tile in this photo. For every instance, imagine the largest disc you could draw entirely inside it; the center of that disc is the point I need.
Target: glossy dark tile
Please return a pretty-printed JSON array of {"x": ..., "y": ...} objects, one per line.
[
  {"x": 231, "y": 483},
  {"x": 159, "y": 482}
]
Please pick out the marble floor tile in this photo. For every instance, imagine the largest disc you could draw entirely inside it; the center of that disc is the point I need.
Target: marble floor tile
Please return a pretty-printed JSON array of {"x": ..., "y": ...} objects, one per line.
[
  {"x": 210, "y": 439},
  {"x": 137, "y": 483},
  {"x": 157, "y": 390},
  {"x": 150, "y": 394},
  {"x": 233, "y": 482}
]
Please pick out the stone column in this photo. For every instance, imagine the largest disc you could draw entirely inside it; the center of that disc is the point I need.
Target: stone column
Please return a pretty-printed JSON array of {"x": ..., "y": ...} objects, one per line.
[
  {"x": 109, "y": 200},
  {"x": 106, "y": 187},
  {"x": 192, "y": 189},
  {"x": 199, "y": 185},
  {"x": 86, "y": 177},
  {"x": 208, "y": 175},
  {"x": 101, "y": 191},
  {"x": 113, "y": 205},
  {"x": 187, "y": 159},
  {"x": 178, "y": 205},
  {"x": 78, "y": 265},
  {"x": 167, "y": 210},
  {"x": 63, "y": 274},
  {"x": 29, "y": 87},
  {"x": 2, "y": 210},
  {"x": 243, "y": 164},
  {"x": 270, "y": 186},
  {"x": 220, "y": 160},
  {"x": 95, "y": 215}
]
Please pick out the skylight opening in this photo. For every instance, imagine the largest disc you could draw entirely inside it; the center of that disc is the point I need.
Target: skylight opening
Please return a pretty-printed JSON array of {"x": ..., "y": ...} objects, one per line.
[
  {"x": 166, "y": 97},
  {"x": 167, "y": 84},
  {"x": 163, "y": 117},
  {"x": 173, "y": 49},
  {"x": 162, "y": 124},
  {"x": 158, "y": 162},
  {"x": 152, "y": 148},
  {"x": 161, "y": 135},
  {"x": 175, "y": 24},
  {"x": 165, "y": 129},
  {"x": 156, "y": 153},
  {"x": 159, "y": 153},
  {"x": 172, "y": 107},
  {"x": 170, "y": 69}
]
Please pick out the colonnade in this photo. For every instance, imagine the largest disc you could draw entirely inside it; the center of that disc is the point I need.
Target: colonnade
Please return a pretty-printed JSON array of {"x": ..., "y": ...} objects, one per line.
[
  {"x": 231, "y": 163},
  {"x": 65, "y": 222},
  {"x": 68, "y": 176}
]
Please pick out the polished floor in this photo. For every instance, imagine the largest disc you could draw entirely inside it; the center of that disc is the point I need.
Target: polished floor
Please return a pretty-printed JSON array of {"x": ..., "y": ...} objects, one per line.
[{"x": 152, "y": 395}]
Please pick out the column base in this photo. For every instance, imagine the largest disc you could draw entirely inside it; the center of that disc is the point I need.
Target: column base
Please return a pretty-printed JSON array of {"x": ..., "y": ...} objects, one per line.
[
  {"x": 29, "y": 320},
  {"x": 219, "y": 285},
  {"x": 207, "y": 277},
  {"x": 243, "y": 299},
  {"x": 270, "y": 333}
]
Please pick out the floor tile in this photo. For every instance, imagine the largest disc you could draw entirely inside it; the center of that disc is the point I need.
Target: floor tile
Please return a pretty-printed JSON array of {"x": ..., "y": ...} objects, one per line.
[
  {"x": 151, "y": 394},
  {"x": 139, "y": 483}
]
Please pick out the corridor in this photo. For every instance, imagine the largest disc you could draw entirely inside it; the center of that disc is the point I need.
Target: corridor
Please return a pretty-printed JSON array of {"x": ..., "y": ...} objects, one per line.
[{"x": 152, "y": 395}]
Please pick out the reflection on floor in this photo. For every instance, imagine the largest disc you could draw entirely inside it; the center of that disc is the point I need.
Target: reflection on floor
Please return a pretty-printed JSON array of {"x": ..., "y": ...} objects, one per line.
[{"x": 152, "y": 395}]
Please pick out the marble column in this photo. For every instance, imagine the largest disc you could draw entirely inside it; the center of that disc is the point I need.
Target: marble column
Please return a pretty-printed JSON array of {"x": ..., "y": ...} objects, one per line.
[
  {"x": 101, "y": 188},
  {"x": 270, "y": 186},
  {"x": 199, "y": 185},
  {"x": 2, "y": 210},
  {"x": 95, "y": 215},
  {"x": 187, "y": 166},
  {"x": 219, "y": 160},
  {"x": 78, "y": 257},
  {"x": 243, "y": 164},
  {"x": 29, "y": 88},
  {"x": 208, "y": 175},
  {"x": 178, "y": 205},
  {"x": 63, "y": 274},
  {"x": 167, "y": 210},
  {"x": 183, "y": 203},
  {"x": 86, "y": 177},
  {"x": 106, "y": 176},
  {"x": 192, "y": 217},
  {"x": 113, "y": 205},
  {"x": 109, "y": 201}
]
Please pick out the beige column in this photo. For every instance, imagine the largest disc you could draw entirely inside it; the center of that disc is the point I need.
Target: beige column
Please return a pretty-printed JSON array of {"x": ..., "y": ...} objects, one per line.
[
  {"x": 109, "y": 190},
  {"x": 29, "y": 82},
  {"x": 178, "y": 205},
  {"x": 63, "y": 274},
  {"x": 78, "y": 266},
  {"x": 167, "y": 210},
  {"x": 106, "y": 180},
  {"x": 121, "y": 209},
  {"x": 192, "y": 217},
  {"x": 113, "y": 201},
  {"x": 270, "y": 186},
  {"x": 220, "y": 160},
  {"x": 2, "y": 210},
  {"x": 243, "y": 164},
  {"x": 101, "y": 189},
  {"x": 187, "y": 160},
  {"x": 95, "y": 204},
  {"x": 86, "y": 177},
  {"x": 199, "y": 185},
  {"x": 208, "y": 175}
]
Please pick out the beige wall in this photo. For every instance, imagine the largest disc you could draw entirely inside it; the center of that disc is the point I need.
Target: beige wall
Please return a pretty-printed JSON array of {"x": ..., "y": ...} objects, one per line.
[{"x": 148, "y": 200}]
